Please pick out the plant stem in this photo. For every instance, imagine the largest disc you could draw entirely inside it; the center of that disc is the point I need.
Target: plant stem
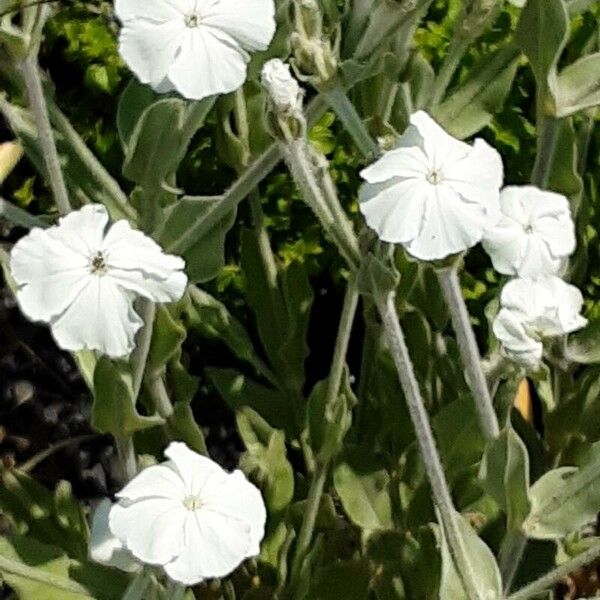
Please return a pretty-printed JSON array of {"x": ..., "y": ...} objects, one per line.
[
  {"x": 467, "y": 345},
  {"x": 160, "y": 396},
  {"x": 338, "y": 100},
  {"x": 539, "y": 586},
  {"x": 41, "y": 456},
  {"x": 175, "y": 591},
  {"x": 511, "y": 552},
  {"x": 548, "y": 131},
  {"x": 137, "y": 588},
  {"x": 458, "y": 47},
  {"x": 37, "y": 103},
  {"x": 427, "y": 446},
  {"x": 334, "y": 382},
  {"x": 300, "y": 164},
  {"x": 139, "y": 356},
  {"x": 126, "y": 453}
]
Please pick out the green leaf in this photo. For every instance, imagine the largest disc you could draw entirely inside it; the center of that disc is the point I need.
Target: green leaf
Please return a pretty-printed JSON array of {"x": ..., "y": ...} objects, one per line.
[
  {"x": 345, "y": 579},
  {"x": 239, "y": 391},
  {"x": 482, "y": 561},
  {"x": 363, "y": 485},
  {"x": 155, "y": 145},
  {"x": 205, "y": 257},
  {"x": 505, "y": 473},
  {"x": 473, "y": 105},
  {"x": 584, "y": 346},
  {"x": 114, "y": 405},
  {"x": 39, "y": 572},
  {"x": 135, "y": 99},
  {"x": 564, "y": 175},
  {"x": 579, "y": 86},
  {"x": 183, "y": 427},
  {"x": 266, "y": 459},
  {"x": 565, "y": 499},
  {"x": 542, "y": 34},
  {"x": 167, "y": 336}
]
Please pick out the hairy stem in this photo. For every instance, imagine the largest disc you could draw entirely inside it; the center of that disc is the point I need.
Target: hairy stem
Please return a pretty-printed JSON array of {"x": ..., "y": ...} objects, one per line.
[
  {"x": 138, "y": 587},
  {"x": 319, "y": 478},
  {"x": 139, "y": 356},
  {"x": 427, "y": 446},
  {"x": 458, "y": 47},
  {"x": 127, "y": 460},
  {"x": 511, "y": 552},
  {"x": 548, "y": 132},
  {"x": 37, "y": 103},
  {"x": 338, "y": 100},
  {"x": 467, "y": 345},
  {"x": 539, "y": 586}
]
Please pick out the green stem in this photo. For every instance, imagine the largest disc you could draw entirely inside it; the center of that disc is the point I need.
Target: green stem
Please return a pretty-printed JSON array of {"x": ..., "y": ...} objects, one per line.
[
  {"x": 334, "y": 383},
  {"x": 539, "y": 586},
  {"x": 548, "y": 132},
  {"x": 301, "y": 166},
  {"x": 139, "y": 356},
  {"x": 41, "y": 456},
  {"x": 467, "y": 345},
  {"x": 37, "y": 103},
  {"x": 511, "y": 553},
  {"x": 138, "y": 587},
  {"x": 175, "y": 591},
  {"x": 427, "y": 446},
  {"x": 126, "y": 453},
  {"x": 160, "y": 396},
  {"x": 338, "y": 100},
  {"x": 458, "y": 47}
]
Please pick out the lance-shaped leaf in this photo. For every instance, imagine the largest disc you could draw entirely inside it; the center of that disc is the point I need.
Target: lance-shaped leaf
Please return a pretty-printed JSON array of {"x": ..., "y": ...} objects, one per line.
[
  {"x": 565, "y": 499},
  {"x": 482, "y": 561},
  {"x": 578, "y": 86},
  {"x": 542, "y": 34},
  {"x": 584, "y": 346},
  {"x": 473, "y": 105},
  {"x": 505, "y": 473}
]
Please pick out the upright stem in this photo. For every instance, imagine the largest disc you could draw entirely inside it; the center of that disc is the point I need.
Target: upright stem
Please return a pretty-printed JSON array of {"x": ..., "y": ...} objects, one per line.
[
  {"x": 338, "y": 100},
  {"x": 549, "y": 129},
  {"x": 160, "y": 396},
  {"x": 37, "y": 103},
  {"x": 539, "y": 586},
  {"x": 175, "y": 591},
  {"x": 334, "y": 382},
  {"x": 126, "y": 453},
  {"x": 427, "y": 446},
  {"x": 467, "y": 345},
  {"x": 458, "y": 47},
  {"x": 139, "y": 356}
]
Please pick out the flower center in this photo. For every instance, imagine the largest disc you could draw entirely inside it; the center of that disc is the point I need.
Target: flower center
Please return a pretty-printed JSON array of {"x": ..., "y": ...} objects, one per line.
[
  {"x": 435, "y": 177},
  {"x": 192, "y": 20},
  {"x": 528, "y": 228},
  {"x": 192, "y": 502},
  {"x": 98, "y": 264}
]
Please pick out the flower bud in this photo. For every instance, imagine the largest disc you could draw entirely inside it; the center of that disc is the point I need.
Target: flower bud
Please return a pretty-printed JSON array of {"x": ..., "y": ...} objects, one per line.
[{"x": 10, "y": 155}]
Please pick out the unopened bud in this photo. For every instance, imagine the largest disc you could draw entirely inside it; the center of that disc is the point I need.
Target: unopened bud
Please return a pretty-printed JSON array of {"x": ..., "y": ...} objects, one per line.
[
  {"x": 10, "y": 155},
  {"x": 281, "y": 86}
]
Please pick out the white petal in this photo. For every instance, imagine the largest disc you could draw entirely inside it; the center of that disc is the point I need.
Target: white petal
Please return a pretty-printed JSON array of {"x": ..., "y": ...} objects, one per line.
[
  {"x": 440, "y": 147},
  {"x": 394, "y": 210},
  {"x": 100, "y": 318},
  {"x": 82, "y": 230},
  {"x": 151, "y": 529},
  {"x": 51, "y": 274},
  {"x": 194, "y": 469},
  {"x": 150, "y": 49},
  {"x": 214, "y": 546},
  {"x": 249, "y": 22},
  {"x": 138, "y": 263},
  {"x": 505, "y": 245},
  {"x": 158, "y": 481},
  {"x": 153, "y": 10},
  {"x": 536, "y": 259},
  {"x": 449, "y": 226},
  {"x": 210, "y": 62},
  {"x": 558, "y": 233},
  {"x": 105, "y": 547},
  {"x": 236, "y": 497}
]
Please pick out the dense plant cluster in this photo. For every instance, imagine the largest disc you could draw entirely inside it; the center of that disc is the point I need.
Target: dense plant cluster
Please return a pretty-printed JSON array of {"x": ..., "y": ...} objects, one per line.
[{"x": 369, "y": 231}]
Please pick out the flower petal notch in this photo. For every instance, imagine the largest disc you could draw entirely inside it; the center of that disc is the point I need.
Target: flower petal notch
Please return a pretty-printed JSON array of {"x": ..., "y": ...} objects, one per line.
[
  {"x": 82, "y": 278},
  {"x": 190, "y": 516},
  {"x": 535, "y": 234},
  {"x": 534, "y": 310},
  {"x": 197, "y": 47},
  {"x": 432, "y": 193}
]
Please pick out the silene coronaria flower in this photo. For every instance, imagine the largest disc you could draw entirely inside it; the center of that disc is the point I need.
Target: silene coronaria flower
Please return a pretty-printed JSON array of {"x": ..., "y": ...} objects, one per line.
[
  {"x": 283, "y": 89},
  {"x": 197, "y": 47},
  {"x": 189, "y": 516},
  {"x": 81, "y": 278},
  {"x": 432, "y": 193},
  {"x": 535, "y": 234},
  {"x": 534, "y": 310}
]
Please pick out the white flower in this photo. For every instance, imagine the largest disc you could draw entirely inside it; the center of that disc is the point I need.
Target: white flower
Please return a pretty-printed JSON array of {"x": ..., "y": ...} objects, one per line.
[
  {"x": 535, "y": 235},
  {"x": 532, "y": 310},
  {"x": 432, "y": 193},
  {"x": 105, "y": 548},
  {"x": 282, "y": 86},
  {"x": 190, "y": 516},
  {"x": 197, "y": 47},
  {"x": 82, "y": 279}
]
